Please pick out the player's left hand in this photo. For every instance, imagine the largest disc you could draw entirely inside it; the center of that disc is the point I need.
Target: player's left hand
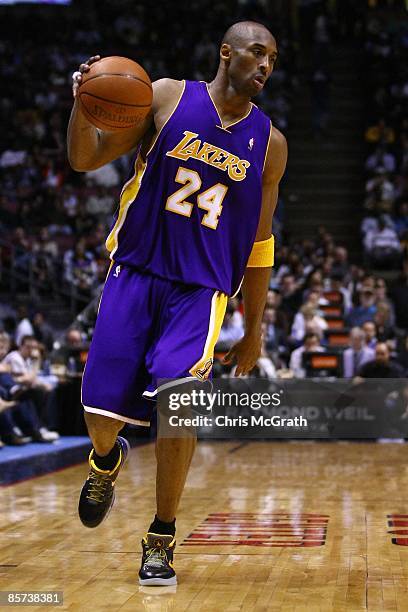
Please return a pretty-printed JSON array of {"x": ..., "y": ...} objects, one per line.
[
  {"x": 246, "y": 353},
  {"x": 83, "y": 68}
]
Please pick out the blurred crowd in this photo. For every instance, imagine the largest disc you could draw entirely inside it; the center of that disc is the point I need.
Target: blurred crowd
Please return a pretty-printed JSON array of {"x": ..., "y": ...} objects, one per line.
[
  {"x": 26, "y": 393},
  {"x": 319, "y": 302},
  {"x": 40, "y": 375},
  {"x": 385, "y": 224}
]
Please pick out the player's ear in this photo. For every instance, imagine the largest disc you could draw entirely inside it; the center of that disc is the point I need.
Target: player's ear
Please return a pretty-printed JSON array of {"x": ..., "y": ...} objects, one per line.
[{"x": 225, "y": 52}]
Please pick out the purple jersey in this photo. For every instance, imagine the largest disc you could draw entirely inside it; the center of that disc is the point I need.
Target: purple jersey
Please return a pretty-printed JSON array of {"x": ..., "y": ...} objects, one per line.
[{"x": 191, "y": 211}]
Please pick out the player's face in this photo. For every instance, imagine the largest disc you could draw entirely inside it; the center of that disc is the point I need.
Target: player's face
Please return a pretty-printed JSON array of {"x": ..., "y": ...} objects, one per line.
[{"x": 252, "y": 63}]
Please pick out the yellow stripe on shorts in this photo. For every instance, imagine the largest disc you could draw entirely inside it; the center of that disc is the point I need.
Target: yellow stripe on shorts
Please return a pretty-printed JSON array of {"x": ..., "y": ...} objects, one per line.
[{"x": 203, "y": 367}]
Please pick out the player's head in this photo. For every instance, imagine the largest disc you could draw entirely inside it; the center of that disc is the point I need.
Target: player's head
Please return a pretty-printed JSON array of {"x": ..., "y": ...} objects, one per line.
[{"x": 248, "y": 54}]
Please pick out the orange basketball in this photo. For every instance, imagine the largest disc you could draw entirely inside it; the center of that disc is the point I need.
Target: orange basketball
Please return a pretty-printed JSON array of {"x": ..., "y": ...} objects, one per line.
[{"x": 115, "y": 94}]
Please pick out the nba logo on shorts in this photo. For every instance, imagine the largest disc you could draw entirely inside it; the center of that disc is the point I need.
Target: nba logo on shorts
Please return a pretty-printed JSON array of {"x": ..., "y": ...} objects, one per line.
[
  {"x": 203, "y": 373},
  {"x": 116, "y": 272}
]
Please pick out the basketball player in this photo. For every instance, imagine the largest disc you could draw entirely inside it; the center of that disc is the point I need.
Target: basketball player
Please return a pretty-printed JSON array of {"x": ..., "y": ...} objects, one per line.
[{"x": 194, "y": 225}]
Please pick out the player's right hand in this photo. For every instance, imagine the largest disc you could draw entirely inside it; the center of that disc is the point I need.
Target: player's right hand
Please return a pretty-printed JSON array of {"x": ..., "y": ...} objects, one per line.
[{"x": 77, "y": 75}]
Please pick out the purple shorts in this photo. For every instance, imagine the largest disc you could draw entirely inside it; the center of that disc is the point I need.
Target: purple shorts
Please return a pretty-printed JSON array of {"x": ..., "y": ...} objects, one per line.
[{"x": 147, "y": 329}]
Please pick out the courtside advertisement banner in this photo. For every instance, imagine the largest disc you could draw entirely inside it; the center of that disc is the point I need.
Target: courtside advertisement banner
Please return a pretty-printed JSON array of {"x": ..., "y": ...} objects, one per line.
[{"x": 263, "y": 409}]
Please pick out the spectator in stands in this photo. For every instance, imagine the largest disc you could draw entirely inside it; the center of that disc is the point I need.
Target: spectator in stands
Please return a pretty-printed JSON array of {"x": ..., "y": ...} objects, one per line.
[
  {"x": 382, "y": 319},
  {"x": 365, "y": 310},
  {"x": 381, "y": 366},
  {"x": 10, "y": 433},
  {"x": 307, "y": 319},
  {"x": 336, "y": 284},
  {"x": 382, "y": 246},
  {"x": 105, "y": 176},
  {"x": 312, "y": 280},
  {"x": 370, "y": 333},
  {"x": 80, "y": 268},
  {"x": 44, "y": 258},
  {"x": 274, "y": 300},
  {"x": 291, "y": 296},
  {"x": 380, "y": 191},
  {"x": 368, "y": 282},
  {"x": 22, "y": 248},
  {"x": 7, "y": 384},
  {"x": 32, "y": 388},
  {"x": 282, "y": 266},
  {"x": 275, "y": 337},
  {"x": 68, "y": 352},
  {"x": 401, "y": 220},
  {"x": 381, "y": 158},
  {"x": 24, "y": 326},
  {"x": 381, "y": 296},
  {"x": 357, "y": 355},
  {"x": 21, "y": 364},
  {"x": 340, "y": 266},
  {"x": 380, "y": 133},
  {"x": 45, "y": 245},
  {"x": 314, "y": 296},
  {"x": 74, "y": 338},
  {"x": 399, "y": 296},
  {"x": 311, "y": 344},
  {"x": 43, "y": 332},
  {"x": 14, "y": 413},
  {"x": 100, "y": 203},
  {"x": 70, "y": 204}
]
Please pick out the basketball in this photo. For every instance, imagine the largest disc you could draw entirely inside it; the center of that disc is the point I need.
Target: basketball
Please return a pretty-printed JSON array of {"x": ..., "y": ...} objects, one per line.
[{"x": 116, "y": 94}]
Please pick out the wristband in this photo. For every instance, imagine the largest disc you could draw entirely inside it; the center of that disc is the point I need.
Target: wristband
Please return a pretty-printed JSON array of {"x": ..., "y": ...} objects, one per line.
[{"x": 262, "y": 254}]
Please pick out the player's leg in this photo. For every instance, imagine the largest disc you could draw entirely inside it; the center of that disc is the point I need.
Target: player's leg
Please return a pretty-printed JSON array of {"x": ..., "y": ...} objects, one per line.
[
  {"x": 103, "y": 432},
  {"x": 185, "y": 347},
  {"x": 108, "y": 455},
  {"x": 174, "y": 457},
  {"x": 113, "y": 383}
]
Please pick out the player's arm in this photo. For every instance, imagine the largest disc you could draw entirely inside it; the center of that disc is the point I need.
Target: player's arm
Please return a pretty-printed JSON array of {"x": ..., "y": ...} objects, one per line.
[
  {"x": 256, "y": 279},
  {"x": 90, "y": 148}
]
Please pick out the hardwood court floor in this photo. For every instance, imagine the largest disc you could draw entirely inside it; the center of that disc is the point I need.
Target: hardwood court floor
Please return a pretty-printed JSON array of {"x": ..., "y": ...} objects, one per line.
[{"x": 327, "y": 503}]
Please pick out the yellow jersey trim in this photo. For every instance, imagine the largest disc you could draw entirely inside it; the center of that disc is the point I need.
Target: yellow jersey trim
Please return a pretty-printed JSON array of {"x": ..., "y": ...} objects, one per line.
[
  {"x": 267, "y": 146},
  {"x": 127, "y": 197}
]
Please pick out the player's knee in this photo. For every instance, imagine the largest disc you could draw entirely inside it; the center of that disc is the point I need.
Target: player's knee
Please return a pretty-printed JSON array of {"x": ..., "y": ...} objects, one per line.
[{"x": 99, "y": 424}]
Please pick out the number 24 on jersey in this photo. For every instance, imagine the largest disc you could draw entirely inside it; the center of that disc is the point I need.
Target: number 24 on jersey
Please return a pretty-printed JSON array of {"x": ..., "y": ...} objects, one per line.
[{"x": 209, "y": 200}]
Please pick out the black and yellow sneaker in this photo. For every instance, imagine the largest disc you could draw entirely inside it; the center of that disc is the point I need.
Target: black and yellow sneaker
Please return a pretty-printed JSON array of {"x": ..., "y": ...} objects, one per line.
[
  {"x": 157, "y": 560},
  {"x": 98, "y": 492}
]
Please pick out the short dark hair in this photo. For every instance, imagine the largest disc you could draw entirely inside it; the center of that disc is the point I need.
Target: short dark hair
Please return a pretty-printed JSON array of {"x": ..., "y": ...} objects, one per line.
[
  {"x": 235, "y": 33},
  {"x": 26, "y": 338},
  {"x": 309, "y": 335}
]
